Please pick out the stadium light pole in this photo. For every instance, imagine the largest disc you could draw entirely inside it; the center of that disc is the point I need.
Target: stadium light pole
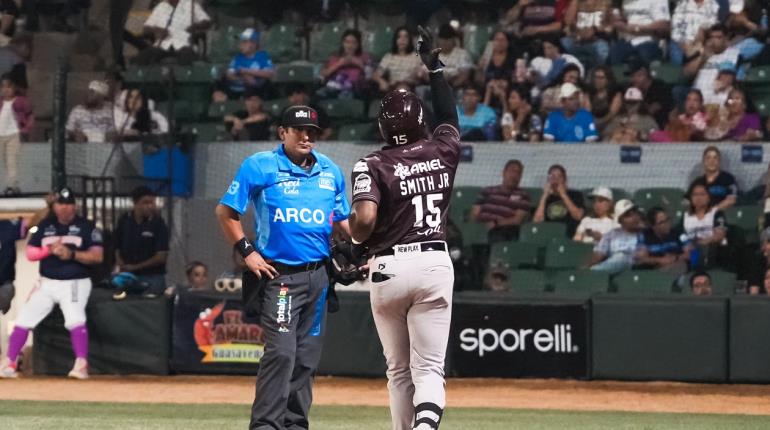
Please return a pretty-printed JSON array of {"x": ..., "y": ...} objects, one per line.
[{"x": 58, "y": 167}]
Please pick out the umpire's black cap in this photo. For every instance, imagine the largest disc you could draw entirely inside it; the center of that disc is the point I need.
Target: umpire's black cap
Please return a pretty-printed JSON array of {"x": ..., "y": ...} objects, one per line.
[
  {"x": 300, "y": 116},
  {"x": 65, "y": 196}
]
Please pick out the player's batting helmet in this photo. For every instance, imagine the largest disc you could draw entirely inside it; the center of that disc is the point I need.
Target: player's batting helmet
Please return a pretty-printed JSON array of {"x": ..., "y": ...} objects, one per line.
[{"x": 401, "y": 118}]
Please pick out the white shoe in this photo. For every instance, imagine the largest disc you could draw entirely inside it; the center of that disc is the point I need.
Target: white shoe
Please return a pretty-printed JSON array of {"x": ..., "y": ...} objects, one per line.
[
  {"x": 79, "y": 370},
  {"x": 8, "y": 369}
]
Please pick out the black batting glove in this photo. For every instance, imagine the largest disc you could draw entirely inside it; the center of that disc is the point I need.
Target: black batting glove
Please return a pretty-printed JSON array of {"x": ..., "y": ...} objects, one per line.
[{"x": 428, "y": 54}]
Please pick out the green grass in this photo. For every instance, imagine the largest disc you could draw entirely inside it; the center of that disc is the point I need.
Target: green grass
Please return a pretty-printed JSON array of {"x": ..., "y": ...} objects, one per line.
[{"x": 83, "y": 416}]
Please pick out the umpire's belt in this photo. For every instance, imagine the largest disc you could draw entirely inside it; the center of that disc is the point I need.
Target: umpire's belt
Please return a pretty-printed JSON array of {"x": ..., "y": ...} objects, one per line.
[
  {"x": 436, "y": 245},
  {"x": 286, "y": 269}
]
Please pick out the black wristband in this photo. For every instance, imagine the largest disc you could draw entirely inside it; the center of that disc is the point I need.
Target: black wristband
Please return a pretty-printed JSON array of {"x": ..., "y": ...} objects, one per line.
[{"x": 244, "y": 247}]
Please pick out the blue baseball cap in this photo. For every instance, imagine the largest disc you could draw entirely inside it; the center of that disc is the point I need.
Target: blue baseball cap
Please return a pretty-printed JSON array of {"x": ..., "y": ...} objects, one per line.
[{"x": 249, "y": 35}]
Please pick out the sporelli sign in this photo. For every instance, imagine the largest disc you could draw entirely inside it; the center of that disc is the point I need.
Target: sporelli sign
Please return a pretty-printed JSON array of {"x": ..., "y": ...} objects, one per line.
[{"x": 515, "y": 340}]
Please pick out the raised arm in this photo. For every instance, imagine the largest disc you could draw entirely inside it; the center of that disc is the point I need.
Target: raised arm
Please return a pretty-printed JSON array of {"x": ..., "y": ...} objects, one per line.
[{"x": 443, "y": 101}]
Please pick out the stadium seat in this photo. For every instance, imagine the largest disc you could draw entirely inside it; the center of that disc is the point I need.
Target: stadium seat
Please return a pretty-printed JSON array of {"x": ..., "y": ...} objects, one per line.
[
  {"x": 763, "y": 106},
  {"x": 325, "y": 40},
  {"x": 476, "y": 36},
  {"x": 462, "y": 200},
  {"x": 378, "y": 40},
  {"x": 644, "y": 282},
  {"x": 666, "y": 72},
  {"x": 526, "y": 280},
  {"x": 356, "y": 132},
  {"x": 282, "y": 43},
  {"x": 567, "y": 254},
  {"x": 285, "y": 73},
  {"x": 209, "y": 132},
  {"x": 722, "y": 282},
  {"x": 374, "y": 109},
  {"x": 183, "y": 110},
  {"x": 542, "y": 233},
  {"x": 345, "y": 110},
  {"x": 579, "y": 281},
  {"x": 219, "y": 110},
  {"x": 759, "y": 74},
  {"x": 619, "y": 72},
  {"x": 747, "y": 218},
  {"x": 670, "y": 199},
  {"x": 145, "y": 74},
  {"x": 276, "y": 107},
  {"x": 224, "y": 43},
  {"x": 472, "y": 233},
  {"x": 534, "y": 195},
  {"x": 196, "y": 73},
  {"x": 514, "y": 255}
]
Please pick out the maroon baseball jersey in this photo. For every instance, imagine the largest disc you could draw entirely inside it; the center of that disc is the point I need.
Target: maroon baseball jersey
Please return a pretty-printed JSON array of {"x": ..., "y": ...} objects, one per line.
[{"x": 412, "y": 185}]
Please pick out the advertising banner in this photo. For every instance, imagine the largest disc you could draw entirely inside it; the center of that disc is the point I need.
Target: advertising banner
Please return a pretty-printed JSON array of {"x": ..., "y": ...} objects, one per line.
[
  {"x": 519, "y": 340},
  {"x": 211, "y": 334}
]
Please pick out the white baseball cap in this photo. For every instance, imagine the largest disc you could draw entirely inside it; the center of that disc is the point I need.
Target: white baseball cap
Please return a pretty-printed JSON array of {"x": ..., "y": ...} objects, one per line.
[
  {"x": 633, "y": 94},
  {"x": 602, "y": 192},
  {"x": 568, "y": 89},
  {"x": 622, "y": 207},
  {"x": 99, "y": 87}
]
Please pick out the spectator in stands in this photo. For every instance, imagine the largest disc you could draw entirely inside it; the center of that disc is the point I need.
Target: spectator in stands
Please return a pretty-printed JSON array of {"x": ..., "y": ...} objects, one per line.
[
  {"x": 252, "y": 69},
  {"x": 572, "y": 124},
  {"x": 252, "y": 123},
  {"x": 550, "y": 98},
  {"x": 641, "y": 25},
  {"x": 724, "y": 83},
  {"x": 346, "y": 73},
  {"x": 715, "y": 55},
  {"x": 16, "y": 121},
  {"x": 530, "y": 20},
  {"x": 616, "y": 250},
  {"x": 298, "y": 94},
  {"x": 704, "y": 225},
  {"x": 661, "y": 247},
  {"x": 9, "y": 12},
  {"x": 499, "y": 64},
  {"x": 458, "y": 65},
  {"x": 604, "y": 95},
  {"x": 657, "y": 94},
  {"x": 547, "y": 67},
  {"x": 174, "y": 26},
  {"x": 93, "y": 121},
  {"x": 141, "y": 241},
  {"x": 747, "y": 33},
  {"x": 721, "y": 185},
  {"x": 135, "y": 117},
  {"x": 477, "y": 121},
  {"x": 13, "y": 59},
  {"x": 589, "y": 27},
  {"x": 689, "y": 22},
  {"x": 633, "y": 124},
  {"x": 700, "y": 284},
  {"x": 503, "y": 208},
  {"x": 734, "y": 122},
  {"x": 518, "y": 122},
  {"x": 400, "y": 64},
  {"x": 197, "y": 276},
  {"x": 600, "y": 222},
  {"x": 686, "y": 126},
  {"x": 558, "y": 203},
  {"x": 759, "y": 270},
  {"x": 496, "y": 91}
]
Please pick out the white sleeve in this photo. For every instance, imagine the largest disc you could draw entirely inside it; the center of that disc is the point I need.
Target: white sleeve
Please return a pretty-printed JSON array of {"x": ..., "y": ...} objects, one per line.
[
  {"x": 199, "y": 13},
  {"x": 159, "y": 16},
  {"x": 660, "y": 11}
]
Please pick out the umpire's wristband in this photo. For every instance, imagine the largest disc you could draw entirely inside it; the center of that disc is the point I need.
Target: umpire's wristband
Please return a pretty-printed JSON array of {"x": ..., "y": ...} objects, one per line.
[{"x": 244, "y": 247}]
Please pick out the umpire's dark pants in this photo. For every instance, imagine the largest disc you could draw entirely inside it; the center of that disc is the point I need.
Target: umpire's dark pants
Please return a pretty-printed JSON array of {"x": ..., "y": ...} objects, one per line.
[{"x": 292, "y": 317}]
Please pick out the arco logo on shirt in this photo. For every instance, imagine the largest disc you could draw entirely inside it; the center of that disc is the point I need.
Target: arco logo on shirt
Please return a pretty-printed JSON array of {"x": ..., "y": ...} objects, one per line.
[{"x": 303, "y": 215}]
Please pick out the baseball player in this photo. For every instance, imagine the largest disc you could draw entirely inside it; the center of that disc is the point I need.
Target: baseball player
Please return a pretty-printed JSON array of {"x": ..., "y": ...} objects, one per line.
[
  {"x": 400, "y": 199},
  {"x": 66, "y": 244},
  {"x": 299, "y": 197}
]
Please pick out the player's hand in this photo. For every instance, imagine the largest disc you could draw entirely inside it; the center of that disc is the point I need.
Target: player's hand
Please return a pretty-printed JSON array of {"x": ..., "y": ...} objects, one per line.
[
  {"x": 259, "y": 266},
  {"x": 428, "y": 54}
]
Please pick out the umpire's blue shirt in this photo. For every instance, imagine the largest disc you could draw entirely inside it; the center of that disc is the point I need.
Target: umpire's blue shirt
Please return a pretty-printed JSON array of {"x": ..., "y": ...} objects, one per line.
[{"x": 294, "y": 208}]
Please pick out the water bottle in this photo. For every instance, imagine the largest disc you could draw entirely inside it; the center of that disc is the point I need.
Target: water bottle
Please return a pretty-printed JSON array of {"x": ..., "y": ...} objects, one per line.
[{"x": 763, "y": 20}]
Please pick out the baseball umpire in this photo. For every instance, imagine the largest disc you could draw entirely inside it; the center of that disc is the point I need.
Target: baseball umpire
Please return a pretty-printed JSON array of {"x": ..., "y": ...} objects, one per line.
[
  {"x": 298, "y": 196},
  {"x": 400, "y": 199},
  {"x": 66, "y": 244}
]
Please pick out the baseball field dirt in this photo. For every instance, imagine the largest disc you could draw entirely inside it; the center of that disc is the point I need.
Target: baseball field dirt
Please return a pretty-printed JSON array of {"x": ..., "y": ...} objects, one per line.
[{"x": 475, "y": 393}]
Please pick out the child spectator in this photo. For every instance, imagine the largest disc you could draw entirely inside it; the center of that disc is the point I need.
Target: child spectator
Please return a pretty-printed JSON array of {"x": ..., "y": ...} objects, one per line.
[
  {"x": 600, "y": 222},
  {"x": 252, "y": 69},
  {"x": 400, "y": 64},
  {"x": 558, "y": 203},
  {"x": 616, "y": 250}
]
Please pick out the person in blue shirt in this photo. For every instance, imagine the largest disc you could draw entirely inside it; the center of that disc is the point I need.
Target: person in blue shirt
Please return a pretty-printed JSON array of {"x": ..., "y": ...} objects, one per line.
[
  {"x": 571, "y": 124},
  {"x": 251, "y": 69},
  {"x": 477, "y": 120},
  {"x": 299, "y": 197}
]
